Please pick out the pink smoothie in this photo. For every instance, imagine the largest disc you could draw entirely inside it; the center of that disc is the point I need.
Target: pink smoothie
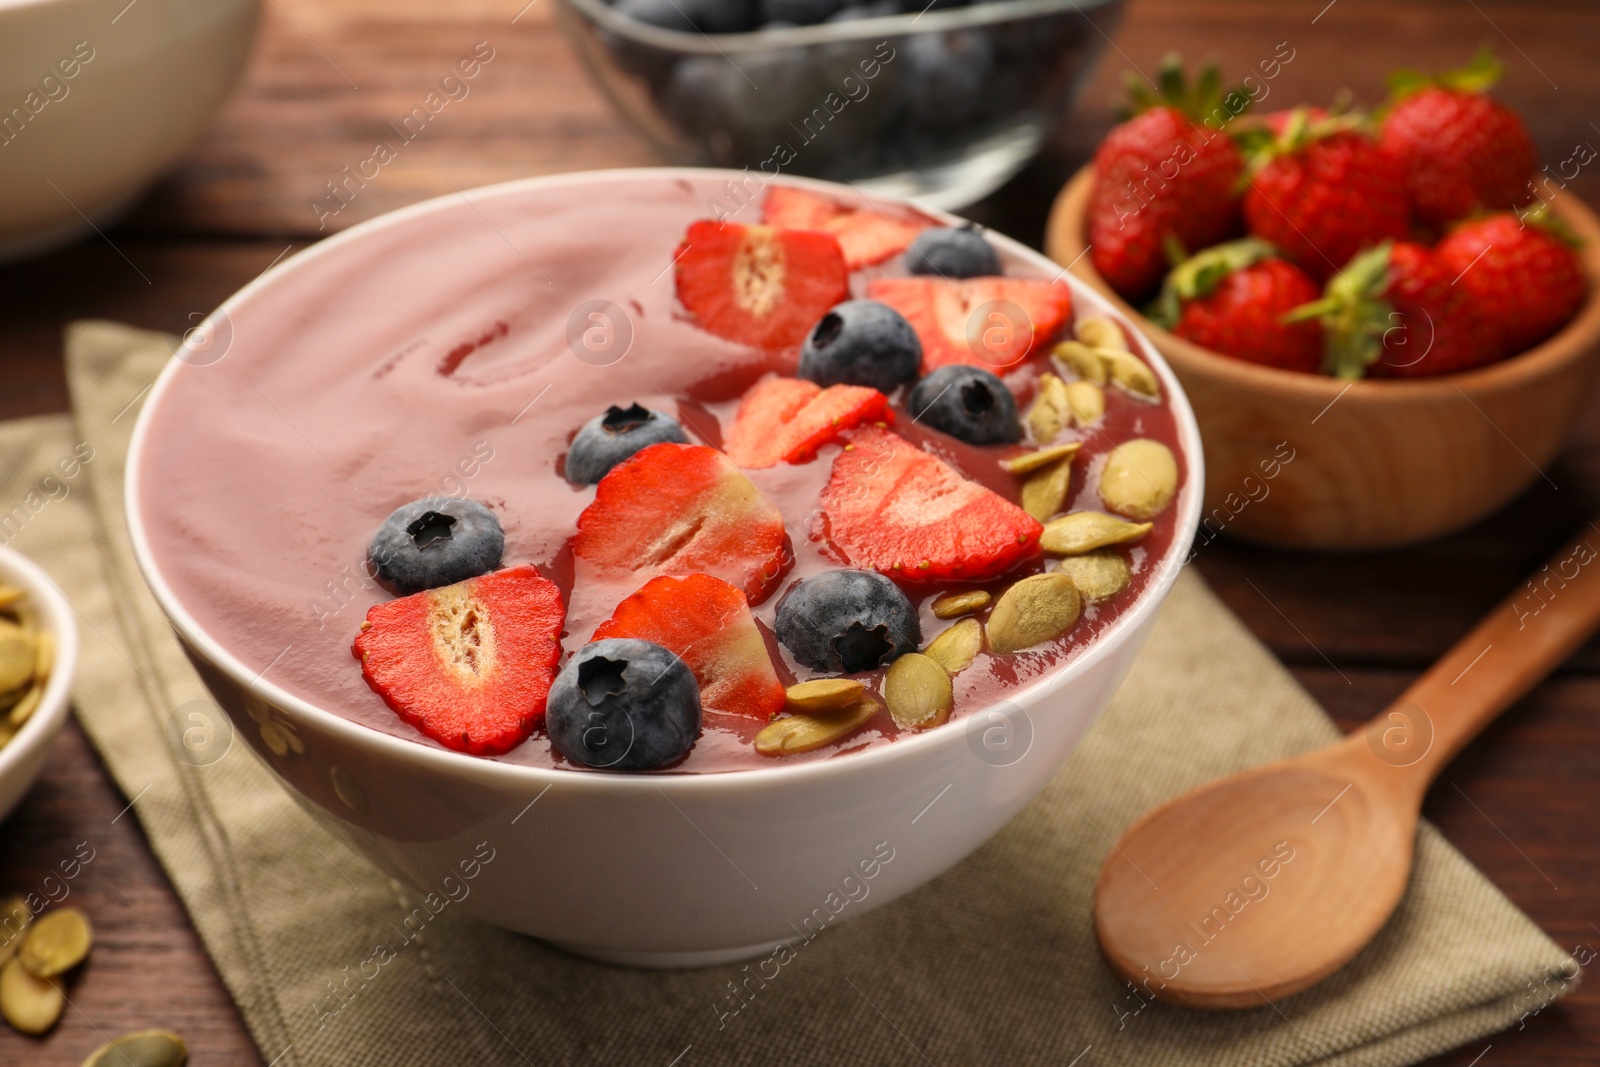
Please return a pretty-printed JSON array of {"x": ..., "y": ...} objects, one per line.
[{"x": 433, "y": 357}]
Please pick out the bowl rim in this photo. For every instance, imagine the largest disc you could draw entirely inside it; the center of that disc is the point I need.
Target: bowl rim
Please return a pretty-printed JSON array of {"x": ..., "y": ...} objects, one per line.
[
  {"x": 898, "y": 25},
  {"x": 55, "y": 615},
  {"x": 495, "y": 772},
  {"x": 1064, "y": 237}
]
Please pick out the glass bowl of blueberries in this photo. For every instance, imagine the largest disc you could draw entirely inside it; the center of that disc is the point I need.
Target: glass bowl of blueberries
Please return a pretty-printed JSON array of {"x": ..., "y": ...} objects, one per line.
[{"x": 938, "y": 100}]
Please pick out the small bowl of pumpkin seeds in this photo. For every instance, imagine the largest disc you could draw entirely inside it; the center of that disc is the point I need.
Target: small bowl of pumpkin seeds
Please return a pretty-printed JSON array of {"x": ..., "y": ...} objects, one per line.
[{"x": 38, "y": 650}]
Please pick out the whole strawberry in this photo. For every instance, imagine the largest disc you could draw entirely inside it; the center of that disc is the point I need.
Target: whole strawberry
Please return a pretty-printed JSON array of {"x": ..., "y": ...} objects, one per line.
[
  {"x": 1232, "y": 298},
  {"x": 1321, "y": 190},
  {"x": 1522, "y": 273},
  {"x": 1163, "y": 176},
  {"x": 1461, "y": 150},
  {"x": 1393, "y": 313}
]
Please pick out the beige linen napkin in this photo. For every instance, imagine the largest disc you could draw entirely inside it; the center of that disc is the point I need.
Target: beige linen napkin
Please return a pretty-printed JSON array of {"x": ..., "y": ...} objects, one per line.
[{"x": 994, "y": 962}]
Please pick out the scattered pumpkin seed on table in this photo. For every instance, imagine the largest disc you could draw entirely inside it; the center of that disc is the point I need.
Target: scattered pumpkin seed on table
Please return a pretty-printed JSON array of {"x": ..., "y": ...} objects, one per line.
[
  {"x": 57, "y": 942},
  {"x": 1098, "y": 575},
  {"x": 1139, "y": 479},
  {"x": 1039, "y": 608},
  {"x": 823, "y": 694},
  {"x": 954, "y": 605},
  {"x": 957, "y": 647},
  {"x": 918, "y": 692},
  {"x": 806, "y": 731},
  {"x": 1085, "y": 531},
  {"x": 29, "y": 1003},
  {"x": 1098, "y": 331},
  {"x": 1081, "y": 360},
  {"x": 143, "y": 1048}
]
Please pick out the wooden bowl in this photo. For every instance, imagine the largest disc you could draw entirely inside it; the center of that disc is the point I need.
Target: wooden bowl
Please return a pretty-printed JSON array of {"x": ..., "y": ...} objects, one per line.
[{"x": 1308, "y": 461}]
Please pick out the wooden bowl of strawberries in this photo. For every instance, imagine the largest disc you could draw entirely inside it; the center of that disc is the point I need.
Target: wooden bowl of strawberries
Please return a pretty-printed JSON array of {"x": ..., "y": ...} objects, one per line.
[{"x": 1386, "y": 325}]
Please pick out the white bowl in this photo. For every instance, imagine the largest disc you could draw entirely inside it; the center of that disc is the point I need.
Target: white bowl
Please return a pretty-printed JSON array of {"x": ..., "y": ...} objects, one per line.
[
  {"x": 662, "y": 870},
  {"x": 22, "y": 758},
  {"x": 98, "y": 98}
]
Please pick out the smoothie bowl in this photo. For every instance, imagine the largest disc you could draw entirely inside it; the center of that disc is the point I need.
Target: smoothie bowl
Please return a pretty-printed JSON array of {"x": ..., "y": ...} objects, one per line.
[{"x": 656, "y": 561}]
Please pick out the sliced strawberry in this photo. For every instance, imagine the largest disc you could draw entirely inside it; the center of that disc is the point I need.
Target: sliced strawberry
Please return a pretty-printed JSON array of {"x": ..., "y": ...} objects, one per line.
[
  {"x": 895, "y": 508},
  {"x": 758, "y": 285},
  {"x": 708, "y": 624},
  {"x": 788, "y": 419},
  {"x": 985, "y": 322},
  {"x": 867, "y": 235},
  {"x": 468, "y": 664},
  {"x": 683, "y": 509}
]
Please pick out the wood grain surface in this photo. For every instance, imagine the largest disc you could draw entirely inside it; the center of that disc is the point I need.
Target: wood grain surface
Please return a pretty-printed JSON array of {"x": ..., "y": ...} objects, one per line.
[{"x": 327, "y": 76}]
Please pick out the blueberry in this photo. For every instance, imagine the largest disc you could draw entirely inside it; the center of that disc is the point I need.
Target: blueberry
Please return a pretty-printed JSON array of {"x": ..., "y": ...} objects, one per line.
[
  {"x": 947, "y": 77},
  {"x": 968, "y": 403},
  {"x": 436, "y": 541},
  {"x": 608, "y": 439},
  {"x": 625, "y": 705},
  {"x": 663, "y": 13},
  {"x": 847, "y": 621},
  {"x": 861, "y": 342},
  {"x": 876, "y": 9},
  {"x": 709, "y": 16},
  {"x": 802, "y": 12},
  {"x": 959, "y": 253}
]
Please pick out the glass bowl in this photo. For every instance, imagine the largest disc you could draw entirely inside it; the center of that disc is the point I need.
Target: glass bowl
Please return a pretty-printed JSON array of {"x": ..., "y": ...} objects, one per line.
[{"x": 941, "y": 105}]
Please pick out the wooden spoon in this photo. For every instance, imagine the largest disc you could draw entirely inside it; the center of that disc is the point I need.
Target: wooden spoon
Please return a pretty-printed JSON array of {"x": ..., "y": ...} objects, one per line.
[{"x": 1263, "y": 883}]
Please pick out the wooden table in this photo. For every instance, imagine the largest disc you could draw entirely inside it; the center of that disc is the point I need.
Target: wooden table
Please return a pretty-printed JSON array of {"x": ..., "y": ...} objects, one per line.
[{"x": 1522, "y": 802}]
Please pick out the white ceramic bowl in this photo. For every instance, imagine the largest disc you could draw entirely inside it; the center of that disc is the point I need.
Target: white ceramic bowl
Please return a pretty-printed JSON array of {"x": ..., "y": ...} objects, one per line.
[
  {"x": 98, "y": 98},
  {"x": 22, "y": 758},
  {"x": 665, "y": 870}
]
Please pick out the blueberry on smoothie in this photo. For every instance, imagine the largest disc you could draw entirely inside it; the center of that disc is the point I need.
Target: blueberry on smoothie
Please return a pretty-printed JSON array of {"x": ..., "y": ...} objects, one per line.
[
  {"x": 861, "y": 342},
  {"x": 624, "y": 704},
  {"x": 435, "y": 541},
  {"x": 952, "y": 253},
  {"x": 968, "y": 403},
  {"x": 847, "y": 621},
  {"x": 608, "y": 439}
]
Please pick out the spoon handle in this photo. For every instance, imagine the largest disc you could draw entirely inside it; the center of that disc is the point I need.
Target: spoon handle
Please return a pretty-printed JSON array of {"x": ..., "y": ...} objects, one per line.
[{"x": 1524, "y": 638}]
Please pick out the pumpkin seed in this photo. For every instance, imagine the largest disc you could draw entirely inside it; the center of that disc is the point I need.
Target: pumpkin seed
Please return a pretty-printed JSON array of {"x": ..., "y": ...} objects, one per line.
[
  {"x": 1081, "y": 360},
  {"x": 1045, "y": 491},
  {"x": 824, "y": 695},
  {"x": 918, "y": 692},
  {"x": 17, "y": 656},
  {"x": 14, "y": 918},
  {"x": 1039, "y": 608},
  {"x": 1087, "y": 401},
  {"x": 1085, "y": 531},
  {"x": 1139, "y": 479},
  {"x": 29, "y": 1003},
  {"x": 1097, "y": 575},
  {"x": 57, "y": 942},
  {"x": 1029, "y": 462},
  {"x": 23, "y": 709},
  {"x": 143, "y": 1048},
  {"x": 805, "y": 731},
  {"x": 1050, "y": 413},
  {"x": 952, "y": 605},
  {"x": 9, "y": 595},
  {"x": 957, "y": 647},
  {"x": 1097, "y": 331},
  {"x": 1131, "y": 372}
]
